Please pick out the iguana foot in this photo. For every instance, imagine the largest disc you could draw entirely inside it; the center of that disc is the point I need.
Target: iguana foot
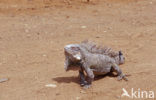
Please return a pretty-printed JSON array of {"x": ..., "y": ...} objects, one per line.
[
  {"x": 83, "y": 83},
  {"x": 87, "y": 86},
  {"x": 122, "y": 77}
]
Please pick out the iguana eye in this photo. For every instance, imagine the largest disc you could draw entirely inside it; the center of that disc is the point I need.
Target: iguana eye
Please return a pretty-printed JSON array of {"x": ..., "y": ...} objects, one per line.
[{"x": 75, "y": 48}]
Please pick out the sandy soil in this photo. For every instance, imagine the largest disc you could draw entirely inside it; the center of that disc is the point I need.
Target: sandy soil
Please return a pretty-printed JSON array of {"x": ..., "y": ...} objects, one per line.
[{"x": 34, "y": 32}]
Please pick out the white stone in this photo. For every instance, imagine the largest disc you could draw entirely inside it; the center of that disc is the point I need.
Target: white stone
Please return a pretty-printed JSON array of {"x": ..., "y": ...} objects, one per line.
[
  {"x": 3, "y": 80},
  {"x": 51, "y": 85},
  {"x": 77, "y": 98},
  {"x": 83, "y": 26}
]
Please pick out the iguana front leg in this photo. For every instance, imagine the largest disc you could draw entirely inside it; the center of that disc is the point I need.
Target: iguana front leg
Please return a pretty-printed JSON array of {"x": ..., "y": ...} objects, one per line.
[
  {"x": 119, "y": 72},
  {"x": 83, "y": 82},
  {"x": 89, "y": 73},
  {"x": 66, "y": 63}
]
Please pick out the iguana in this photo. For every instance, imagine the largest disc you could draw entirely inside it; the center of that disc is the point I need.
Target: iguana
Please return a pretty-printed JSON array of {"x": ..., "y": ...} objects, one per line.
[{"x": 93, "y": 60}]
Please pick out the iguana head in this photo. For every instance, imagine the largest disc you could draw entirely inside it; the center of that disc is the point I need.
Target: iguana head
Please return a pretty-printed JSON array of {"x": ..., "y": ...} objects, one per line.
[
  {"x": 72, "y": 53},
  {"x": 120, "y": 59}
]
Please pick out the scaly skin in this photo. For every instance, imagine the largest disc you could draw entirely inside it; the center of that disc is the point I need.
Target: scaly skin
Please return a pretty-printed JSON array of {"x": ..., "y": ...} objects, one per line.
[
  {"x": 99, "y": 63},
  {"x": 91, "y": 63}
]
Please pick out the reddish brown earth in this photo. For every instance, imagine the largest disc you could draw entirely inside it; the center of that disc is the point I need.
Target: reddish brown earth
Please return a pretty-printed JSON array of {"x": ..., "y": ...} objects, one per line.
[{"x": 34, "y": 32}]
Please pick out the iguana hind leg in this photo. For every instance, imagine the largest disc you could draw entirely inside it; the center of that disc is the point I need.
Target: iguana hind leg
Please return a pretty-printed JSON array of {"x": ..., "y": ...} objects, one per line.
[{"x": 119, "y": 72}]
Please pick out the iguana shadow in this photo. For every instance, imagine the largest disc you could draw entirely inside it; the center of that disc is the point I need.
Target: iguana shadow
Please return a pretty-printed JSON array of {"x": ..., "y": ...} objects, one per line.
[
  {"x": 72, "y": 79},
  {"x": 110, "y": 74},
  {"x": 75, "y": 79}
]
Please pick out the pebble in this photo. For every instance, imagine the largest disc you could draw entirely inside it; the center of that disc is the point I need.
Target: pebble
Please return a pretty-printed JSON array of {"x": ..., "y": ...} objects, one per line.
[
  {"x": 83, "y": 26},
  {"x": 111, "y": 78},
  {"x": 151, "y": 2},
  {"x": 51, "y": 85},
  {"x": 97, "y": 37},
  {"x": 44, "y": 55},
  {"x": 83, "y": 92},
  {"x": 3, "y": 80},
  {"x": 77, "y": 98}
]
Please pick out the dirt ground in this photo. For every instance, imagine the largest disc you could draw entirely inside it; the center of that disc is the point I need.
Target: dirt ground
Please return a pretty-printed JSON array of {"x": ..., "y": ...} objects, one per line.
[{"x": 33, "y": 34}]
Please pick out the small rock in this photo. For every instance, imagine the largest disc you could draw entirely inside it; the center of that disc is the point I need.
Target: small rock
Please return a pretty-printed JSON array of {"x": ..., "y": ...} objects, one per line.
[
  {"x": 104, "y": 31},
  {"x": 44, "y": 55},
  {"x": 67, "y": 17},
  {"x": 83, "y": 92},
  {"x": 83, "y": 26},
  {"x": 97, "y": 37},
  {"x": 51, "y": 85},
  {"x": 77, "y": 98},
  {"x": 3, "y": 80},
  {"x": 46, "y": 6},
  {"x": 151, "y": 2},
  {"x": 38, "y": 33},
  {"x": 58, "y": 94}
]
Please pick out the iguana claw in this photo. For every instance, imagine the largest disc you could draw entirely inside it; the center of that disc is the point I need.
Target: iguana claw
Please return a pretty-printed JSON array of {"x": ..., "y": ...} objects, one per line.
[
  {"x": 122, "y": 77},
  {"x": 87, "y": 86}
]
